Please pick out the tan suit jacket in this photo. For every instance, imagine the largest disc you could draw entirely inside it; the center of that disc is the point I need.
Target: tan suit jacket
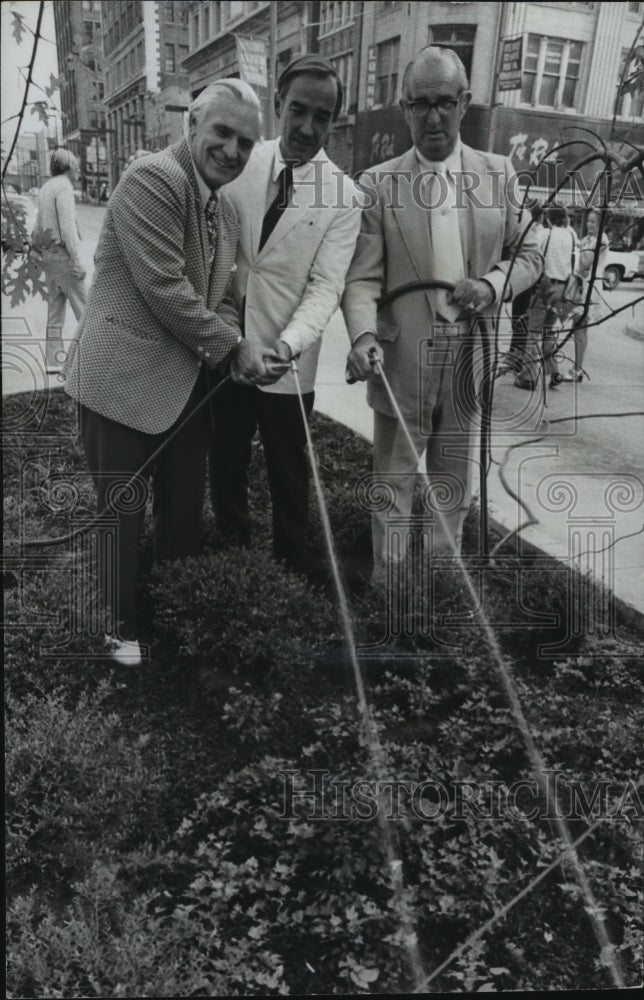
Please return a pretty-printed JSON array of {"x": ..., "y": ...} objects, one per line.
[{"x": 394, "y": 249}]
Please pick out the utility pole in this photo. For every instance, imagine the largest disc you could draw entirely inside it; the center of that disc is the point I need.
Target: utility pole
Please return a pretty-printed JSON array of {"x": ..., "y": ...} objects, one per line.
[{"x": 272, "y": 62}]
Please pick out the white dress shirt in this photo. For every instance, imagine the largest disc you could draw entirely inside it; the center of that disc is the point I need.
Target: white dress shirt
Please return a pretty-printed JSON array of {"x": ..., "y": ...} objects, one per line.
[{"x": 449, "y": 168}]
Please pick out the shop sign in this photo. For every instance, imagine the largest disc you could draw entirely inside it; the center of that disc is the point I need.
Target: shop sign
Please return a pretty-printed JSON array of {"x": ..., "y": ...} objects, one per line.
[
  {"x": 251, "y": 56},
  {"x": 511, "y": 63}
]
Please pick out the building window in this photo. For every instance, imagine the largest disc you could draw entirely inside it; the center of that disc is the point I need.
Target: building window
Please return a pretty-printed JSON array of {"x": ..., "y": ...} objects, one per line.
[
  {"x": 169, "y": 11},
  {"x": 235, "y": 8},
  {"x": 630, "y": 84},
  {"x": 170, "y": 61},
  {"x": 634, "y": 8},
  {"x": 459, "y": 37},
  {"x": 205, "y": 22},
  {"x": 335, "y": 14},
  {"x": 343, "y": 66},
  {"x": 387, "y": 72},
  {"x": 551, "y": 72},
  {"x": 183, "y": 53},
  {"x": 195, "y": 40}
]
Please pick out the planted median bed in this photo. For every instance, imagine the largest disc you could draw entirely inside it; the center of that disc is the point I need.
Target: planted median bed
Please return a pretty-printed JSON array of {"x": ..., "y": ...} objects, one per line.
[{"x": 211, "y": 824}]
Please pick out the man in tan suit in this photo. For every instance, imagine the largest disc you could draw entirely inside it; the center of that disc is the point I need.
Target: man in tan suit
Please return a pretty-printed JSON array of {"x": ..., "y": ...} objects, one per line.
[
  {"x": 440, "y": 211},
  {"x": 158, "y": 323}
]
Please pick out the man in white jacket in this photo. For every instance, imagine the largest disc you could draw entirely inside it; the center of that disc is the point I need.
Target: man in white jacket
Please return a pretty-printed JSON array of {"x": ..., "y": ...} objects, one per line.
[{"x": 300, "y": 217}]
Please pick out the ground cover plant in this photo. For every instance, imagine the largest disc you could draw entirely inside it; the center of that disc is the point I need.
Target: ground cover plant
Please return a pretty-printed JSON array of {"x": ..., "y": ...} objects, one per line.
[{"x": 208, "y": 825}]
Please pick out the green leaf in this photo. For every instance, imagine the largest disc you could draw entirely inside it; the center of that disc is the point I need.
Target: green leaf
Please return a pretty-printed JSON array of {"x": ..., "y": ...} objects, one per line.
[
  {"x": 18, "y": 26},
  {"x": 54, "y": 84},
  {"x": 40, "y": 108}
]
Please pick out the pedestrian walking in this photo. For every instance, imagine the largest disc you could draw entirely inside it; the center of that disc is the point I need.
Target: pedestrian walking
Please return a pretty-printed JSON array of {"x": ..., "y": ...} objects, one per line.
[{"x": 57, "y": 233}]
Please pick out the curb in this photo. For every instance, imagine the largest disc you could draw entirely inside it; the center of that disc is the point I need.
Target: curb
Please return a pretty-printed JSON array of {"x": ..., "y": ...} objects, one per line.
[{"x": 631, "y": 615}]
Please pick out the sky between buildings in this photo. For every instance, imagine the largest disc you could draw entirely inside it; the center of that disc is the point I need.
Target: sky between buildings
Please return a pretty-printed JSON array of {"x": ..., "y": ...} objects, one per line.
[{"x": 15, "y": 57}]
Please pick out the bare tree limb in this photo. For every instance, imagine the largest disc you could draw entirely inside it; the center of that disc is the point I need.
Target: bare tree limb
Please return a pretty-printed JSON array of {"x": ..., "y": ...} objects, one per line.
[{"x": 32, "y": 61}]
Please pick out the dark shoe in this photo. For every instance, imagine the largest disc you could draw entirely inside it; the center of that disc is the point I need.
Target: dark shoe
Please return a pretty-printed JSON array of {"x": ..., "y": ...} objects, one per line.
[
  {"x": 510, "y": 362},
  {"x": 522, "y": 383},
  {"x": 55, "y": 357},
  {"x": 556, "y": 379}
]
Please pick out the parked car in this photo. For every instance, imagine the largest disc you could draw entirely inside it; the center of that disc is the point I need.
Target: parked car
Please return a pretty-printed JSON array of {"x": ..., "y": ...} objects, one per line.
[{"x": 621, "y": 265}]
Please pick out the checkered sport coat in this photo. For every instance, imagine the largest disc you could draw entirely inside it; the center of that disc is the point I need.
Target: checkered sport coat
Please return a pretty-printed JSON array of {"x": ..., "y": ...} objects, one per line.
[{"x": 157, "y": 309}]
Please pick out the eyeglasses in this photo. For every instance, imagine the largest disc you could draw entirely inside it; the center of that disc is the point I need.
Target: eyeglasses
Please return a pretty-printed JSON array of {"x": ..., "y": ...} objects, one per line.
[{"x": 421, "y": 108}]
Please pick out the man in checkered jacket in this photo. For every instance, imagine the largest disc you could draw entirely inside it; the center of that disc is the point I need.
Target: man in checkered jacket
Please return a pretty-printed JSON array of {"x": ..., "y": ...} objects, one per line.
[{"x": 158, "y": 331}]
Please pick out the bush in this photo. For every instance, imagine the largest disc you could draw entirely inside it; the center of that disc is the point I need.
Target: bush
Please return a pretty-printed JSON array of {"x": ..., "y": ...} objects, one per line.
[
  {"x": 149, "y": 849},
  {"x": 77, "y": 785}
]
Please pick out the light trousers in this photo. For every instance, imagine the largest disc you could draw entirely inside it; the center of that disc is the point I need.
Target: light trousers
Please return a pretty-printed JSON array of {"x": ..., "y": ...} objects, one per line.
[
  {"x": 445, "y": 433},
  {"x": 62, "y": 287}
]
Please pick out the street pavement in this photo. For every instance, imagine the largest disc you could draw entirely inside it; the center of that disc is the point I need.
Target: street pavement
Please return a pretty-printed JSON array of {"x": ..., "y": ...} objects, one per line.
[{"x": 575, "y": 464}]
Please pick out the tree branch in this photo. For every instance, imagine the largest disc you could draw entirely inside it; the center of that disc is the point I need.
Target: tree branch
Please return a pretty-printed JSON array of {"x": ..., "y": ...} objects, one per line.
[{"x": 21, "y": 114}]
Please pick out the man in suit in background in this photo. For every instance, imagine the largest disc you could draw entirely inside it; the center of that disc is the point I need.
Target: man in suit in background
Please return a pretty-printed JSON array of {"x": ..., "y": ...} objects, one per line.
[
  {"x": 299, "y": 223},
  {"x": 157, "y": 323},
  {"x": 440, "y": 211}
]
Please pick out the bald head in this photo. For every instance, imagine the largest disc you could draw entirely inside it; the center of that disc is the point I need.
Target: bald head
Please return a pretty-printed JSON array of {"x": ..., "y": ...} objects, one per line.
[
  {"x": 434, "y": 59},
  {"x": 435, "y": 97}
]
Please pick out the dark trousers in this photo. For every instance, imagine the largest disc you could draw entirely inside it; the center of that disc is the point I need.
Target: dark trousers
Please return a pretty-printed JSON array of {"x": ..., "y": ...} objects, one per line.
[
  {"x": 114, "y": 452},
  {"x": 520, "y": 307},
  {"x": 237, "y": 413}
]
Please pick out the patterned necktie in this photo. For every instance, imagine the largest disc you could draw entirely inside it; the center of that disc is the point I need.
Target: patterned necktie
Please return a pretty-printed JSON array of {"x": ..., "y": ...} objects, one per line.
[
  {"x": 279, "y": 203},
  {"x": 211, "y": 213},
  {"x": 445, "y": 234}
]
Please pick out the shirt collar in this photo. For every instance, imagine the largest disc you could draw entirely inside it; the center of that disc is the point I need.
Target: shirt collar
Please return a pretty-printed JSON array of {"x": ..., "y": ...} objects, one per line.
[
  {"x": 299, "y": 171},
  {"x": 451, "y": 164},
  {"x": 204, "y": 190}
]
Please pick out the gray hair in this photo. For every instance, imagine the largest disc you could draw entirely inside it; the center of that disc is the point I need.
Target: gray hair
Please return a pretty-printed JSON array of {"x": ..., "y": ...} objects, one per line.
[
  {"x": 444, "y": 54},
  {"x": 61, "y": 161},
  {"x": 239, "y": 89}
]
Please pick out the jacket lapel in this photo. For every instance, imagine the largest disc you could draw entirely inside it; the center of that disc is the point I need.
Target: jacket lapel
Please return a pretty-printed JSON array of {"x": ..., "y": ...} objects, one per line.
[
  {"x": 487, "y": 220},
  {"x": 310, "y": 191},
  {"x": 412, "y": 221},
  {"x": 259, "y": 178},
  {"x": 182, "y": 154}
]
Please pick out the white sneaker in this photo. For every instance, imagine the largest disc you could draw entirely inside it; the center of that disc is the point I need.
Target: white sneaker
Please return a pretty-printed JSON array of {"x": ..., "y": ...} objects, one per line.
[{"x": 124, "y": 651}]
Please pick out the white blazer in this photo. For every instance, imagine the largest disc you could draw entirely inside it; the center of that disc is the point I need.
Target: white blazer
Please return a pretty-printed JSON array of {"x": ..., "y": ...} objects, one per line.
[{"x": 293, "y": 285}]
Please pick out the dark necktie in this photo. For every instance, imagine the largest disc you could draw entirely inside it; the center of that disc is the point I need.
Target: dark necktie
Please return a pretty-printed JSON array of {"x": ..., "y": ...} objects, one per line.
[
  {"x": 211, "y": 213},
  {"x": 279, "y": 203}
]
